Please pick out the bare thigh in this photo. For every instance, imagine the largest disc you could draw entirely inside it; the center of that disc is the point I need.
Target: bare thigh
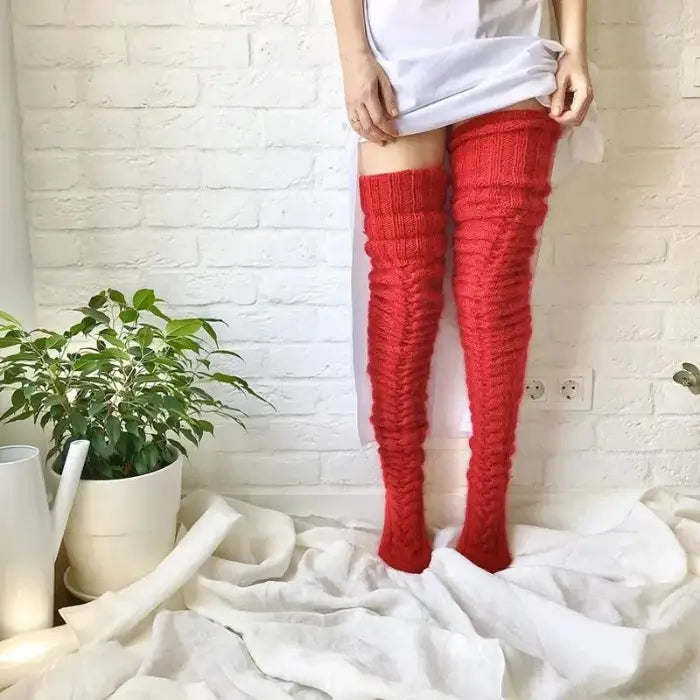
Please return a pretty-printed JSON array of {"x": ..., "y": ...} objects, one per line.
[
  {"x": 406, "y": 153},
  {"x": 525, "y": 104}
]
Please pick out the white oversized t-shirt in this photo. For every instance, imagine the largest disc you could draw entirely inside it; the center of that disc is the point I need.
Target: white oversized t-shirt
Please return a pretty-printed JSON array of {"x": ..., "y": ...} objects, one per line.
[{"x": 450, "y": 60}]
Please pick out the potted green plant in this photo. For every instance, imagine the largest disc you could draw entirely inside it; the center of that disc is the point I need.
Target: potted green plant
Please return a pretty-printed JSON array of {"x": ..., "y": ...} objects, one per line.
[{"x": 133, "y": 382}]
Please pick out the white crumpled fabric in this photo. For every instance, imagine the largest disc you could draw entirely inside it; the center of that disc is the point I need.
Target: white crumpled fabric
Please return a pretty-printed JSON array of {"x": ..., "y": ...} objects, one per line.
[{"x": 608, "y": 608}]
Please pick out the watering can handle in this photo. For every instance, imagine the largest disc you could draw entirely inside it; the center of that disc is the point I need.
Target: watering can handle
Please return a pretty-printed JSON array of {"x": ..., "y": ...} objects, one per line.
[{"x": 67, "y": 487}]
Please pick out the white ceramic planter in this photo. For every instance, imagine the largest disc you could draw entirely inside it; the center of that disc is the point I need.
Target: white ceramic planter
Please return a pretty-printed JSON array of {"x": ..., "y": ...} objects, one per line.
[{"x": 120, "y": 530}]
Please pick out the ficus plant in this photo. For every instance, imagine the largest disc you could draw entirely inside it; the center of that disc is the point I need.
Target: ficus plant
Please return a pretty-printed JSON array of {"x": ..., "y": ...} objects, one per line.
[{"x": 126, "y": 376}]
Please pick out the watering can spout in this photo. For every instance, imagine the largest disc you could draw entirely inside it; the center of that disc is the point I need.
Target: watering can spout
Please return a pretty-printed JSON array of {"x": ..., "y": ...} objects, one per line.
[{"x": 68, "y": 485}]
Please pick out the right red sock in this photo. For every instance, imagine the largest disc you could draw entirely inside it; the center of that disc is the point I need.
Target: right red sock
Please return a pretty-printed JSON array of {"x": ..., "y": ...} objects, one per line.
[{"x": 405, "y": 227}]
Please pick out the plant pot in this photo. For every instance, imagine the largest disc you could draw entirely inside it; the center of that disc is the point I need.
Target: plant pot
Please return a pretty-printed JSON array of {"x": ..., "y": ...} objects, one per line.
[{"x": 120, "y": 530}]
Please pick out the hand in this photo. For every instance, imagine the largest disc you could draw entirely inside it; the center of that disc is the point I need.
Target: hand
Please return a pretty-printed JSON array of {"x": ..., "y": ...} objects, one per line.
[
  {"x": 369, "y": 99},
  {"x": 574, "y": 93}
]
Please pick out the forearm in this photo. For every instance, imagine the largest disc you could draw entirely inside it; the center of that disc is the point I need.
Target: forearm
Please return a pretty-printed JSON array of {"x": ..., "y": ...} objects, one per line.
[
  {"x": 350, "y": 27},
  {"x": 571, "y": 20}
]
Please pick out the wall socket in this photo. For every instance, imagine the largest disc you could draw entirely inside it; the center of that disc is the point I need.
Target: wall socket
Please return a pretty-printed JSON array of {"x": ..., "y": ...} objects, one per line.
[{"x": 558, "y": 389}]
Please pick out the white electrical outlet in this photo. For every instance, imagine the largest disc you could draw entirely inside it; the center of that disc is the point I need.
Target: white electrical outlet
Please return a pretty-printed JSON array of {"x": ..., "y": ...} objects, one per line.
[
  {"x": 563, "y": 389},
  {"x": 535, "y": 390}
]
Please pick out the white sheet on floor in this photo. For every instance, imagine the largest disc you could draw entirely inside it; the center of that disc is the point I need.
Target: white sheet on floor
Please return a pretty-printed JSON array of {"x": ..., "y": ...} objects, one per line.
[{"x": 603, "y": 610}]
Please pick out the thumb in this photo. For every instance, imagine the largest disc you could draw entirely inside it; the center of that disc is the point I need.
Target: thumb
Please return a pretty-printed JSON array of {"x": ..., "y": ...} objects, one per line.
[
  {"x": 559, "y": 99},
  {"x": 388, "y": 96}
]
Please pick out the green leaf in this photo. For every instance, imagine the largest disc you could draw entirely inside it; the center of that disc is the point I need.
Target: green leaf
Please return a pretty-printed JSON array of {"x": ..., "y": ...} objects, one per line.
[
  {"x": 144, "y": 299},
  {"x": 11, "y": 320},
  {"x": 128, "y": 315},
  {"x": 180, "y": 328},
  {"x": 206, "y": 426},
  {"x": 98, "y": 301},
  {"x": 79, "y": 424},
  {"x": 144, "y": 336},
  {"x": 113, "y": 427},
  {"x": 209, "y": 329},
  {"x": 18, "y": 398},
  {"x": 116, "y": 296},
  {"x": 219, "y": 351},
  {"x": 98, "y": 316},
  {"x": 7, "y": 342},
  {"x": 157, "y": 312}
]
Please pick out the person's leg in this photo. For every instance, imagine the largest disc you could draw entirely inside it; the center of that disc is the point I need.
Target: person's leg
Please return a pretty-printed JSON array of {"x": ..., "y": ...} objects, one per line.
[
  {"x": 402, "y": 190},
  {"x": 501, "y": 166}
]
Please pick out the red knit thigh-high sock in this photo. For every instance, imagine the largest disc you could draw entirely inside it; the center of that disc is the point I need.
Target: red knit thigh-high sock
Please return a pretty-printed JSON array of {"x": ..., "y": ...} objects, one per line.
[
  {"x": 501, "y": 165},
  {"x": 405, "y": 227}
]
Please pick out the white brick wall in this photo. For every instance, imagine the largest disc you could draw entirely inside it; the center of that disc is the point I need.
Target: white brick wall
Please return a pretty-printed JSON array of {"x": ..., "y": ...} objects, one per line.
[{"x": 196, "y": 145}]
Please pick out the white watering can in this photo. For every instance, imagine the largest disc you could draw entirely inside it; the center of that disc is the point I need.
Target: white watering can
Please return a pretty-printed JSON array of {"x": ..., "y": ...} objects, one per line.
[{"x": 31, "y": 534}]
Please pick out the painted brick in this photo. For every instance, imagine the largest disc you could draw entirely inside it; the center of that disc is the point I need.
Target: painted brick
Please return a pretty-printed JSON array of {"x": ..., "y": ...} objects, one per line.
[
  {"x": 270, "y": 324},
  {"x": 322, "y": 360},
  {"x": 215, "y": 209},
  {"x": 142, "y": 87},
  {"x": 226, "y": 471},
  {"x": 83, "y": 211},
  {"x": 325, "y": 210},
  {"x": 79, "y": 128},
  {"x": 592, "y": 323},
  {"x": 596, "y": 470},
  {"x": 251, "y": 12},
  {"x": 48, "y": 88},
  {"x": 673, "y": 399},
  {"x": 553, "y": 434},
  {"x": 41, "y": 47},
  {"x": 55, "y": 249},
  {"x": 181, "y": 128},
  {"x": 330, "y": 169},
  {"x": 351, "y": 468},
  {"x": 269, "y": 88},
  {"x": 630, "y": 246},
  {"x": 613, "y": 285},
  {"x": 142, "y": 249},
  {"x": 154, "y": 170},
  {"x": 233, "y": 286},
  {"x": 304, "y": 48},
  {"x": 274, "y": 168},
  {"x": 336, "y": 248},
  {"x": 648, "y": 434},
  {"x": 622, "y": 396},
  {"x": 257, "y": 248},
  {"x": 646, "y": 12},
  {"x": 51, "y": 170},
  {"x": 682, "y": 323},
  {"x": 38, "y": 12},
  {"x": 325, "y": 287},
  {"x": 304, "y": 128},
  {"x": 676, "y": 469},
  {"x": 196, "y": 48},
  {"x": 126, "y": 12},
  {"x": 642, "y": 46}
]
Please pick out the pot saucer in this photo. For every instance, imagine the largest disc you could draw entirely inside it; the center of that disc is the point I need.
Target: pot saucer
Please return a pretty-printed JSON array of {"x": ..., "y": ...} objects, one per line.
[{"x": 86, "y": 597}]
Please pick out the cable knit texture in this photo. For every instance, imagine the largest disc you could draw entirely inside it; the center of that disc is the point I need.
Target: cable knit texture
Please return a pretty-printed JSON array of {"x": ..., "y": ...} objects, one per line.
[
  {"x": 501, "y": 165},
  {"x": 405, "y": 227}
]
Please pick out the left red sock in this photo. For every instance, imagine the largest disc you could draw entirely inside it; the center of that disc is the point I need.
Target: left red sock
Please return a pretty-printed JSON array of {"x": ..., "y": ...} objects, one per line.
[{"x": 501, "y": 165}]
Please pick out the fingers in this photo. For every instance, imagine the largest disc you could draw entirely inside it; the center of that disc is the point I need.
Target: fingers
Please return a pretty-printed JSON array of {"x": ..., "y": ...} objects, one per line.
[
  {"x": 368, "y": 129},
  {"x": 559, "y": 99},
  {"x": 388, "y": 96},
  {"x": 582, "y": 98},
  {"x": 379, "y": 117}
]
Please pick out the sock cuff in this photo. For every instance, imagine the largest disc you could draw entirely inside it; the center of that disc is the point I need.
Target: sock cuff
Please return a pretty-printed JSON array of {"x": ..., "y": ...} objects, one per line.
[
  {"x": 404, "y": 192},
  {"x": 503, "y": 122}
]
